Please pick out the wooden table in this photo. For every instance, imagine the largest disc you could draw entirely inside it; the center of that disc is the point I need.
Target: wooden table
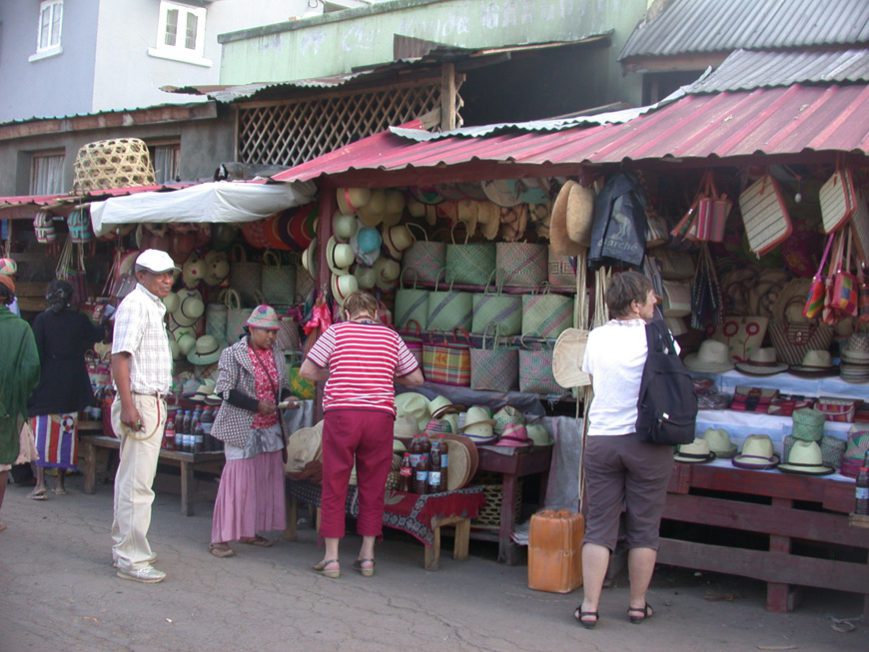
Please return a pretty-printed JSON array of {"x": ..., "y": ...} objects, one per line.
[
  {"x": 793, "y": 508},
  {"x": 187, "y": 461},
  {"x": 515, "y": 464}
]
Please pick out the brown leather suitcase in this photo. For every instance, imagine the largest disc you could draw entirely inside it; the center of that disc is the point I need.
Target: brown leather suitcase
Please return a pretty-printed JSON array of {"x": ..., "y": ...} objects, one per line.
[{"x": 555, "y": 551}]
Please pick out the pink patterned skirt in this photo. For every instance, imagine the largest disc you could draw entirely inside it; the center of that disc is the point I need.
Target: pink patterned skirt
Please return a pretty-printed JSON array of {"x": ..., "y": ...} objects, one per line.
[{"x": 250, "y": 498}]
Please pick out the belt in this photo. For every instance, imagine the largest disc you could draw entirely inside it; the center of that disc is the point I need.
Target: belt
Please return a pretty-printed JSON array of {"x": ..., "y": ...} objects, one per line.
[{"x": 155, "y": 394}]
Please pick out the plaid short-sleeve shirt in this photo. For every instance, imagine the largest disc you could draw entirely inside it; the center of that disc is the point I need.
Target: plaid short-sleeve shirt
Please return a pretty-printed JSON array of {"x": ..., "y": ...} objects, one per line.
[{"x": 141, "y": 332}]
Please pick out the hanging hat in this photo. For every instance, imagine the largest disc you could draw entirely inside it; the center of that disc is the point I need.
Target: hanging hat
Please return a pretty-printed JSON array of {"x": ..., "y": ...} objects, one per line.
[
  {"x": 205, "y": 351},
  {"x": 263, "y": 317},
  {"x": 697, "y": 452},
  {"x": 397, "y": 239},
  {"x": 371, "y": 214},
  {"x": 368, "y": 240},
  {"x": 428, "y": 196},
  {"x": 174, "y": 349},
  {"x": 394, "y": 208},
  {"x": 467, "y": 212},
  {"x": 305, "y": 445},
  {"x": 575, "y": 207},
  {"x": 757, "y": 453},
  {"x": 504, "y": 192},
  {"x": 808, "y": 424},
  {"x": 344, "y": 226},
  {"x": 193, "y": 271},
  {"x": 761, "y": 362},
  {"x": 719, "y": 442},
  {"x": 343, "y": 286},
  {"x": 514, "y": 436},
  {"x": 216, "y": 267},
  {"x": 567, "y": 358},
  {"x": 416, "y": 208},
  {"x": 339, "y": 256},
  {"x": 539, "y": 435},
  {"x": 309, "y": 259},
  {"x": 172, "y": 302},
  {"x": 815, "y": 364},
  {"x": 190, "y": 307},
  {"x": 351, "y": 200},
  {"x": 805, "y": 458},
  {"x": 365, "y": 276},
  {"x": 8, "y": 267},
  {"x": 488, "y": 219},
  {"x": 387, "y": 270},
  {"x": 185, "y": 338},
  {"x": 713, "y": 357}
]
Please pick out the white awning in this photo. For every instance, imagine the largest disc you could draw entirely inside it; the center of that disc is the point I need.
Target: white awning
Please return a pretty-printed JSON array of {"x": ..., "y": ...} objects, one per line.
[{"x": 218, "y": 201}]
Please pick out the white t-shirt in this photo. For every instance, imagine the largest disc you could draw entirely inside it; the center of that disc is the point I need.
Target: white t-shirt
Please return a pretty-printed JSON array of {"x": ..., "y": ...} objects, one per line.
[{"x": 615, "y": 356}]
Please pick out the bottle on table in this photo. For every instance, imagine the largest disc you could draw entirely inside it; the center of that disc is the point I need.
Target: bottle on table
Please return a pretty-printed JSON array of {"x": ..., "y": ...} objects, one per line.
[
  {"x": 405, "y": 473},
  {"x": 445, "y": 465},
  {"x": 420, "y": 476},
  {"x": 434, "y": 474},
  {"x": 862, "y": 488},
  {"x": 169, "y": 435}
]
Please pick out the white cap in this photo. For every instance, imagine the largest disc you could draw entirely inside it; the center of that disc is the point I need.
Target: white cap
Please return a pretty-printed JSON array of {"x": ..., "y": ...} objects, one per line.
[{"x": 156, "y": 261}]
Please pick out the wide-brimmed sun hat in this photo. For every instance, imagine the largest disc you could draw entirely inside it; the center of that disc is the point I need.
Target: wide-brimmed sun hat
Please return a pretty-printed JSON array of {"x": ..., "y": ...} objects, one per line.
[
  {"x": 413, "y": 404},
  {"x": 172, "y": 302},
  {"x": 697, "y": 452},
  {"x": 339, "y": 256},
  {"x": 567, "y": 358},
  {"x": 190, "y": 307},
  {"x": 371, "y": 214},
  {"x": 366, "y": 277},
  {"x": 205, "y": 390},
  {"x": 538, "y": 434},
  {"x": 438, "y": 406},
  {"x": 713, "y": 357},
  {"x": 515, "y": 435},
  {"x": 762, "y": 362},
  {"x": 504, "y": 192},
  {"x": 571, "y": 220},
  {"x": 344, "y": 226},
  {"x": 757, "y": 453},
  {"x": 342, "y": 287},
  {"x": 185, "y": 338},
  {"x": 719, "y": 442},
  {"x": 805, "y": 457},
  {"x": 351, "y": 200},
  {"x": 397, "y": 239},
  {"x": 816, "y": 363},
  {"x": 193, "y": 270},
  {"x": 264, "y": 317},
  {"x": 309, "y": 259}
]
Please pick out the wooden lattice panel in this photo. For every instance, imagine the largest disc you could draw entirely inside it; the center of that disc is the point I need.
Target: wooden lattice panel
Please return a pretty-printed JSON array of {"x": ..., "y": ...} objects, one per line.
[{"x": 290, "y": 133}]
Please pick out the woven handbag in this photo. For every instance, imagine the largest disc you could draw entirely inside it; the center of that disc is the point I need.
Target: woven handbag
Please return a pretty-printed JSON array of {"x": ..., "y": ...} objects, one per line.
[
  {"x": 448, "y": 363},
  {"x": 535, "y": 370},
  {"x": 562, "y": 272},
  {"x": 215, "y": 321},
  {"x": 492, "y": 307},
  {"x": 288, "y": 338},
  {"x": 425, "y": 258},
  {"x": 470, "y": 264},
  {"x": 449, "y": 310},
  {"x": 495, "y": 369},
  {"x": 413, "y": 341},
  {"x": 236, "y": 316},
  {"x": 793, "y": 340},
  {"x": 244, "y": 277},
  {"x": 411, "y": 305},
  {"x": 546, "y": 315},
  {"x": 278, "y": 280},
  {"x": 520, "y": 264}
]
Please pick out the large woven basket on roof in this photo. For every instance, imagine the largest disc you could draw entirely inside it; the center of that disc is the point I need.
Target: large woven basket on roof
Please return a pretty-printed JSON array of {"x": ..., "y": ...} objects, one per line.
[{"x": 117, "y": 163}]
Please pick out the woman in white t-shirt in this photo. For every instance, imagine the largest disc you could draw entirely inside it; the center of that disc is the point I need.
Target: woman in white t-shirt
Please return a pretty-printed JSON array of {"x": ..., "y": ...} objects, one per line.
[{"x": 620, "y": 469}]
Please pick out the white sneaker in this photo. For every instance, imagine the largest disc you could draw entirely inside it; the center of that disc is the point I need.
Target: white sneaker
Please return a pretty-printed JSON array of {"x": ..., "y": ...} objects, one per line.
[
  {"x": 145, "y": 574},
  {"x": 149, "y": 560}
]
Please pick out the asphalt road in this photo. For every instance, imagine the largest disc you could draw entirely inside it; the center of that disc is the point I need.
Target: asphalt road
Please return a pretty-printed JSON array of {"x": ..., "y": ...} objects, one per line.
[{"x": 60, "y": 592}]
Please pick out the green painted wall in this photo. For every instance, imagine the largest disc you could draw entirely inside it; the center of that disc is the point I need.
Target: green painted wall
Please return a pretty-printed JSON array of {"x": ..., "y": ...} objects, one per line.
[{"x": 334, "y": 43}]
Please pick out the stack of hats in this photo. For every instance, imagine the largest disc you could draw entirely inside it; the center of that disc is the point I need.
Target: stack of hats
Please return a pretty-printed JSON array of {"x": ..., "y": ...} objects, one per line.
[
  {"x": 808, "y": 427},
  {"x": 816, "y": 364},
  {"x": 805, "y": 458},
  {"x": 855, "y": 359},
  {"x": 479, "y": 426}
]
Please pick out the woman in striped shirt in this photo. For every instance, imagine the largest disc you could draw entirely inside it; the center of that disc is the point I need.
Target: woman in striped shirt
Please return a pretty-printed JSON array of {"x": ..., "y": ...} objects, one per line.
[{"x": 360, "y": 359}]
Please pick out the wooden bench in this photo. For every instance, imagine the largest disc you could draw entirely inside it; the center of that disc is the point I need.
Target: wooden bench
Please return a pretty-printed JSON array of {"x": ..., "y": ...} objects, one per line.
[
  {"x": 187, "y": 461},
  {"x": 432, "y": 553}
]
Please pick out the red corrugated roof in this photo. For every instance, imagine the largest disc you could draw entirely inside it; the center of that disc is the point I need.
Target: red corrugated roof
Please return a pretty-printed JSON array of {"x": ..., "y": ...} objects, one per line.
[
  {"x": 770, "y": 121},
  {"x": 40, "y": 201}
]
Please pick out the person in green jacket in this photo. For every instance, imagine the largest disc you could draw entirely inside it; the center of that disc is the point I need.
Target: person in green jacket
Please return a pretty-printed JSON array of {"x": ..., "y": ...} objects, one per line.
[{"x": 19, "y": 374}]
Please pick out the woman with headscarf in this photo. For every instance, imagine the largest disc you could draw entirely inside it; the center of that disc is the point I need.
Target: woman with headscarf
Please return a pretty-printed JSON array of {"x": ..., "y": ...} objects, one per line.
[
  {"x": 19, "y": 373},
  {"x": 63, "y": 335}
]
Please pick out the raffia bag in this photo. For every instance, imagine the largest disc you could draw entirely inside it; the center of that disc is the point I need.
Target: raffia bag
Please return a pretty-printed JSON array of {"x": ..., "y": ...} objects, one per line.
[
  {"x": 495, "y": 369},
  {"x": 545, "y": 314},
  {"x": 562, "y": 274},
  {"x": 116, "y": 163},
  {"x": 245, "y": 277},
  {"x": 411, "y": 305},
  {"x": 520, "y": 264},
  {"x": 449, "y": 310},
  {"x": 535, "y": 370},
  {"x": 492, "y": 307},
  {"x": 424, "y": 258},
  {"x": 470, "y": 264},
  {"x": 216, "y": 320},
  {"x": 278, "y": 280},
  {"x": 236, "y": 316},
  {"x": 448, "y": 363}
]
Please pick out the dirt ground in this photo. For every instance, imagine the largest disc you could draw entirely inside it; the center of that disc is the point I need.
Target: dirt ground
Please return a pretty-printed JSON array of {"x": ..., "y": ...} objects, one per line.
[{"x": 60, "y": 592}]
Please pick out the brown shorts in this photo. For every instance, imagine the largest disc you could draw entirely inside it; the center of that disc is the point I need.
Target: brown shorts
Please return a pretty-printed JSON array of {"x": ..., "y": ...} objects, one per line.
[{"x": 624, "y": 471}]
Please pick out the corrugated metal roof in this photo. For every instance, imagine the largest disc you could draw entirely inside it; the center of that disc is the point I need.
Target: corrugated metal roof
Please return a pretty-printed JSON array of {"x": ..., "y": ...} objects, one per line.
[
  {"x": 71, "y": 116},
  {"x": 47, "y": 201},
  {"x": 764, "y": 121},
  {"x": 226, "y": 93},
  {"x": 746, "y": 69},
  {"x": 689, "y": 26}
]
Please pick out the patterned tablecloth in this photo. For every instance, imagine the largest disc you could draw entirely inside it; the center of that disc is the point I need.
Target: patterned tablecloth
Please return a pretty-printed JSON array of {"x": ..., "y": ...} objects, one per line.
[{"x": 411, "y": 513}]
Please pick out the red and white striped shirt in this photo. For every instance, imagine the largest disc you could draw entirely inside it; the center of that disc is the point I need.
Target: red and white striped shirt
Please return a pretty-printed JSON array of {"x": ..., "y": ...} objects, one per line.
[{"x": 363, "y": 358}]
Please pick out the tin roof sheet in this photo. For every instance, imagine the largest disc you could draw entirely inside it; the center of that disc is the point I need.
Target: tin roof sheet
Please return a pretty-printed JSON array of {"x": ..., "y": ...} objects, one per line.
[
  {"x": 763, "y": 121},
  {"x": 673, "y": 27}
]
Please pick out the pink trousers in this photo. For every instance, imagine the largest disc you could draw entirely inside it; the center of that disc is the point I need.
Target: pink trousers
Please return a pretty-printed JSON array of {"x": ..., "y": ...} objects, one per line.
[{"x": 366, "y": 437}]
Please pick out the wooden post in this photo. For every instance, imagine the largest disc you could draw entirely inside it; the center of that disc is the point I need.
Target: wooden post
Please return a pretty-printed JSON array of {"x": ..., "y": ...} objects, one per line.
[
  {"x": 187, "y": 483},
  {"x": 90, "y": 466},
  {"x": 448, "y": 96},
  {"x": 779, "y": 597}
]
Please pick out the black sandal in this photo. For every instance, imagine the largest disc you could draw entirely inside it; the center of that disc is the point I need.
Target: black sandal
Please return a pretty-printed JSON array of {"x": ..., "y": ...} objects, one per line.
[
  {"x": 646, "y": 611},
  {"x": 579, "y": 614}
]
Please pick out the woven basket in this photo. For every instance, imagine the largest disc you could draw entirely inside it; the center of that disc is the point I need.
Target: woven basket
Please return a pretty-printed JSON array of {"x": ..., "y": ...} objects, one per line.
[
  {"x": 117, "y": 163},
  {"x": 489, "y": 517}
]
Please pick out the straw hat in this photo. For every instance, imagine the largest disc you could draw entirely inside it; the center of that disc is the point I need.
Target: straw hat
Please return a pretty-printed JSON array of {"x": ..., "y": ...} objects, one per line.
[
  {"x": 514, "y": 436},
  {"x": 788, "y": 306},
  {"x": 405, "y": 426},
  {"x": 373, "y": 211},
  {"x": 205, "y": 390},
  {"x": 429, "y": 196},
  {"x": 415, "y": 405},
  {"x": 172, "y": 302},
  {"x": 697, "y": 452},
  {"x": 344, "y": 226},
  {"x": 304, "y": 446},
  {"x": 477, "y": 414},
  {"x": 488, "y": 219},
  {"x": 264, "y": 317},
  {"x": 438, "y": 406},
  {"x": 719, "y": 442},
  {"x": 504, "y": 192},
  {"x": 387, "y": 270},
  {"x": 815, "y": 364},
  {"x": 352, "y": 199},
  {"x": 365, "y": 276},
  {"x": 309, "y": 259},
  {"x": 205, "y": 351},
  {"x": 856, "y": 349},
  {"x": 507, "y": 415},
  {"x": 464, "y": 459},
  {"x": 561, "y": 242},
  {"x": 416, "y": 208},
  {"x": 397, "y": 239},
  {"x": 713, "y": 357},
  {"x": 216, "y": 267},
  {"x": 185, "y": 339},
  {"x": 757, "y": 453},
  {"x": 761, "y": 362},
  {"x": 805, "y": 458},
  {"x": 190, "y": 307},
  {"x": 538, "y": 434},
  {"x": 343, "y": 286},
  {"x": 567, "y": 358},
  {"x": 394, "y": 208},
  {"x": 467, "y": 211},
  {"x": 339, "y": 256},
  {"x": 193, "y": 271},
  {"x": 808, "y": 424}
]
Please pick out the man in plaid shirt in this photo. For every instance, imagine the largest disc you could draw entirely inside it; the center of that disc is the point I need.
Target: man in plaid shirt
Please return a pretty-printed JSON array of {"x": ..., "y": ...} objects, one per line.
[{"x": 142, "y": 371}]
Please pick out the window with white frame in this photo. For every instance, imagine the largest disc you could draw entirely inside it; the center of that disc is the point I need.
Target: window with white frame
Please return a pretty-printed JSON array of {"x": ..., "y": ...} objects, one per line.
[
  {"x": 166, "y": 159},
  {"x": 49, "y": 29},
  {"x": 180, "y": 33},
  {"x": 46, "y": 173}
]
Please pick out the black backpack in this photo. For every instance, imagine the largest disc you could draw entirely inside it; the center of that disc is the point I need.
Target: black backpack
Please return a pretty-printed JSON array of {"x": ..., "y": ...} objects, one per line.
[{"x": 667, "y": 406}]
